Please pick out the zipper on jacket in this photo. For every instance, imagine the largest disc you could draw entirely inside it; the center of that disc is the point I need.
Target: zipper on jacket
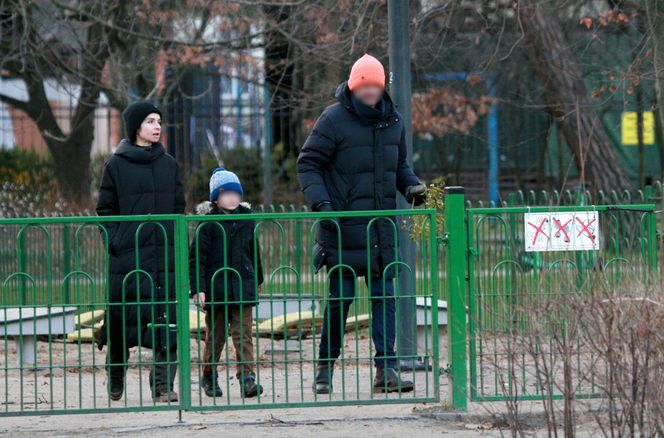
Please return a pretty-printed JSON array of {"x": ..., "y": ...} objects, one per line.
[{"x": 378, "y": 182}]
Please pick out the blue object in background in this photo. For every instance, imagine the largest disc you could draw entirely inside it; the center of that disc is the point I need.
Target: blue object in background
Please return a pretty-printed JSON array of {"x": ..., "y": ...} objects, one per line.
[{"x": 492, "y": 127}]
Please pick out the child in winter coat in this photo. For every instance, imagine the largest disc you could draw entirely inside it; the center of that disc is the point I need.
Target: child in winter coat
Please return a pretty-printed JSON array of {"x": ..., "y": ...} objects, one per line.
[{"x": 226, "y": 275}]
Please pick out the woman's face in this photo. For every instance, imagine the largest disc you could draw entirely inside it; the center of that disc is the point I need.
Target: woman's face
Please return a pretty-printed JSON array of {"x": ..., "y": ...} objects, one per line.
[
  {"x": 150, "y": 130},
  {"x": 228, "y": 200}
]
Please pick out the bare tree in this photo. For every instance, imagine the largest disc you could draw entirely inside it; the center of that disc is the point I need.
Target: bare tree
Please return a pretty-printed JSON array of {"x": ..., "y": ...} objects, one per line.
[
  {"x": 655, "y": 18},
  {"x": 568, "y": 99},
  {"x": 33, "y": 54},
  {"x": 121, "y": 49}
]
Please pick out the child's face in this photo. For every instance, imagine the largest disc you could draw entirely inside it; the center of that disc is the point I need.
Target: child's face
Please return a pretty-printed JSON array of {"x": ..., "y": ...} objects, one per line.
[{"x": 228, "y": 200}]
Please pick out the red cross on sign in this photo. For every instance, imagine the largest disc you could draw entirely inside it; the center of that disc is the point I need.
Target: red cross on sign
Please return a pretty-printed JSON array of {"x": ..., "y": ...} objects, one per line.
[
  {"x": 538, "y": 229},
  {"x": 585, "y": 228},
  {"x": 562, "y": 227}
]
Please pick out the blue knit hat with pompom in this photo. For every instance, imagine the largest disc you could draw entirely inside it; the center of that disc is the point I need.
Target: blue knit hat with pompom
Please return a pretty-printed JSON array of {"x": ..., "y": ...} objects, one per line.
[{"x": 225, "y": 180}]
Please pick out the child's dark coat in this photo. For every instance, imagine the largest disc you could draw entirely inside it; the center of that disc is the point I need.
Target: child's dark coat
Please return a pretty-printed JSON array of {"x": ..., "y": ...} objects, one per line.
[{"x": 243, "y": 258}]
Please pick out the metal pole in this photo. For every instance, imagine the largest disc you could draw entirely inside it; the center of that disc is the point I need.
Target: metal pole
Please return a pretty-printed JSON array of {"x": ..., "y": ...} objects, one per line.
[
  {"x": 494, "y": 164},
  {"x": 267, "y": 150},
  {"x": 399, "y": 37}
]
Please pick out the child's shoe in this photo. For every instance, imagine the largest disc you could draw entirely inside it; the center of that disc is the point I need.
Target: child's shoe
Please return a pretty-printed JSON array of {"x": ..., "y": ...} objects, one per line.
[
  {"x": 249, "y": 386},
  {"x": 210, "y": 384}
]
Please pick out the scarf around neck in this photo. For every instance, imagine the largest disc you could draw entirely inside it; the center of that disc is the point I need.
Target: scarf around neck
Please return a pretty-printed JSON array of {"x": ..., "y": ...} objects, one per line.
[{"x": 368, "y": 114}]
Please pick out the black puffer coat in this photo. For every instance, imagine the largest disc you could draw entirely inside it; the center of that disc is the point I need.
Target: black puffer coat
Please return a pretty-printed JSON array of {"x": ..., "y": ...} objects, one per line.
[
  {"x": 140, "y": 181},
  {"x": 241, "y": 258},
  {"x": 356, "y": 165}
]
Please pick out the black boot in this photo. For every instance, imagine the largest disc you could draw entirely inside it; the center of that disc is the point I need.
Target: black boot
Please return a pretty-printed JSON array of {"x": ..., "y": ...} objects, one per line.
[
  {"x": 387, "y": 380},
  {"x": 115, "y": 387},
  {"x": 323, "y": 382},
  {"x": 249, "y": 386},
  {"x": 210, "y": 384}
]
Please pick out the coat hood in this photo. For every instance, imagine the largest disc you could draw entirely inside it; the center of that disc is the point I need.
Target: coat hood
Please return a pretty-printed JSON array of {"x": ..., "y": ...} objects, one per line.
[
  {"x": 207, "y": 207},
  {"x": 343, "y": 96},
  {"x": 139, "y": 154}
]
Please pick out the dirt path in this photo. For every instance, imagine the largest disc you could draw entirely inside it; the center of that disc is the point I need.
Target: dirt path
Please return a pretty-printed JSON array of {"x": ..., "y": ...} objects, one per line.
[{"x": 384, "y": 421}]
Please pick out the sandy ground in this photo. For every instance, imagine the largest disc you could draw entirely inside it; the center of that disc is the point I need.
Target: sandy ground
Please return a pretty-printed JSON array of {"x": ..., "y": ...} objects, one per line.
[
  {"x": 394, "y": 421},
  {"x": 400, "y": 420},
  {"x": 79, "y": 373},
  {"x": 71, "y": 377}
]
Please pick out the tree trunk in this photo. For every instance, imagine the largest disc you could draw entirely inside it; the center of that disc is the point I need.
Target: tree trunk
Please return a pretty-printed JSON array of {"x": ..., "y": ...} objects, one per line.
[
  {"x": 655, "y": 16},
  {"x": 71, "y": 160},
  {"x": 71, "y": 151},
  {"x": 568, "y": 102}
]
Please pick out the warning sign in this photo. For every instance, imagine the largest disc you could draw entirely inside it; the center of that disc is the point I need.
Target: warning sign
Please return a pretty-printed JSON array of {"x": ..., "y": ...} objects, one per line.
[
  {"x": 573, "y": 231},
  {"x": 630, "y": 131}
]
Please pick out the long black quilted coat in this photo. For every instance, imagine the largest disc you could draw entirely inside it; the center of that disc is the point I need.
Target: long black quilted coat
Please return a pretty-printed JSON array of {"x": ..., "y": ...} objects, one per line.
[{"x": 140, "y": 181}]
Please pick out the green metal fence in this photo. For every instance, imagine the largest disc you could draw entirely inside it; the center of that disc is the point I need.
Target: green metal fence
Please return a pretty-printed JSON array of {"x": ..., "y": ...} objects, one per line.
[
  {"x": 519, "y": 304},
  {"x": 57, "y": 289},
  {"x": 57, "y": 292}
]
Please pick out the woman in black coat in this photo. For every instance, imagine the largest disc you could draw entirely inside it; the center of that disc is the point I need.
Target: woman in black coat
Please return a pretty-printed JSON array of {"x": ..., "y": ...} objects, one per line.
[{"x": 139, "y": 179}]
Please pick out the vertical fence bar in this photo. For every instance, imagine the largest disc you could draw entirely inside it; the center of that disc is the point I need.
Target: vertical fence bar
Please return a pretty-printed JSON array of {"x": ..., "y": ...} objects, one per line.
[
  {"x": 457, "y": 271},
  {"x": 652, "y": 231},
  {"x": 652, "y": 243},
  {"x": 435, "y": 294},
  {"x": 66, "y": 251},
  {"x": 182, "y": 297}
]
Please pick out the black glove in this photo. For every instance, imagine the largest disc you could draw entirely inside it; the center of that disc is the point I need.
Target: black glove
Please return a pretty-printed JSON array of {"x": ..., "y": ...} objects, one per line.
[
  {"x": 324, "y": 206},
  {"x": 416, "y": 194},
  {"x": 318, "y": 257},
  {"x": 326, "y": 223}
]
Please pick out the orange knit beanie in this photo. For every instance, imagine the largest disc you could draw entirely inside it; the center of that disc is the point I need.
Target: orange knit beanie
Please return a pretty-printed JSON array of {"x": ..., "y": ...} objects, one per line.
[{"x": 366, "y": 71}]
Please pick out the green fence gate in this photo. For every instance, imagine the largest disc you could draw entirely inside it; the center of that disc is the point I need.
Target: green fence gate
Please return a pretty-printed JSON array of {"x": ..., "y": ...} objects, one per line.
[{"x": 58, "y": 287}]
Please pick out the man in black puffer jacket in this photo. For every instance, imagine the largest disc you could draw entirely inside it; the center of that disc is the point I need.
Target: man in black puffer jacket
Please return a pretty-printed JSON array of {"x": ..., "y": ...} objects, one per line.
[
  {"x": 355, "y": 159},
  {"x": 140, "y": 179}
]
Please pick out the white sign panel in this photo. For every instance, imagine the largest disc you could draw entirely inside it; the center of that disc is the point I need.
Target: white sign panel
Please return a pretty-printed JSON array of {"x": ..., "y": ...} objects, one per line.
[{"x": 573, "y": 231}]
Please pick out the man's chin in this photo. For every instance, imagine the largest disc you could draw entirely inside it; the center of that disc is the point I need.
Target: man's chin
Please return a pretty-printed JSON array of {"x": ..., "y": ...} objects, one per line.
[{"x": 369, "y": 103}]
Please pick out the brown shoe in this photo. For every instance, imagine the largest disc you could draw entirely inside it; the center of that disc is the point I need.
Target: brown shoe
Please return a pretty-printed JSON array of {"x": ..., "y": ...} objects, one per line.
[{"x": 166, "y": 397}]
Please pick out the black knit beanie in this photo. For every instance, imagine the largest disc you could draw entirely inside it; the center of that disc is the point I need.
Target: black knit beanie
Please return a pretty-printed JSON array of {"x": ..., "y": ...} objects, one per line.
[{"x": 134, "y": 115}]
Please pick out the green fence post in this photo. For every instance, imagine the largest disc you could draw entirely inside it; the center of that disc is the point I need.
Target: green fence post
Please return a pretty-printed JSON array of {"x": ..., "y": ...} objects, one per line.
[
  {"x": 457, "y": 287},
  {"x": 182, "y": 297},
  {"x": 652, "y": 232}
]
